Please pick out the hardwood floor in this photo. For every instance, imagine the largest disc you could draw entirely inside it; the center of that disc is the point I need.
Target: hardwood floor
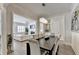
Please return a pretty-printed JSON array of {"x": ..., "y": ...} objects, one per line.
[{"x": 65, "y": 50}]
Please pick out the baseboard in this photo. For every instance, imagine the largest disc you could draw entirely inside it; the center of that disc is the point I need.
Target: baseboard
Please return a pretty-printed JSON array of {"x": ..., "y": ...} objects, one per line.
[{"x": 75, "y": 50}]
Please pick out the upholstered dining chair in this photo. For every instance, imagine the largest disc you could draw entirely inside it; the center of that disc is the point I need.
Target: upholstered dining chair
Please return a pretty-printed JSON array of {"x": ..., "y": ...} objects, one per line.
[{"x": 32, "y": 47}]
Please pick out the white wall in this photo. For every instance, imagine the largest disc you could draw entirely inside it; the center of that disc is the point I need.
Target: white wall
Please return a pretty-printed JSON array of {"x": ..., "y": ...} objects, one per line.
[
  {"x": 75, "y": 42},
  {"x": 0, "y": 22},
  {"x": 57, "y": 25},
  {"x": 68, "y": 34},
  {"x": 19, "y": 18},
  {"x": 62, "y": 25}
]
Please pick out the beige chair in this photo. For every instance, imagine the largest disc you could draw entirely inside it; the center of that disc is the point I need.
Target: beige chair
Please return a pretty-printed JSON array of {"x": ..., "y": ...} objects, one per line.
[{"x": 33, "y": 48}]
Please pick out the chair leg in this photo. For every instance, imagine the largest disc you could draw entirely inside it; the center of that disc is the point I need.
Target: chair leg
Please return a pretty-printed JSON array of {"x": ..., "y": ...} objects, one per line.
[
  {"x": 50, "y": 53},
  {"x": 28, "y": 49},
  {"x": 57, "y": 50}
]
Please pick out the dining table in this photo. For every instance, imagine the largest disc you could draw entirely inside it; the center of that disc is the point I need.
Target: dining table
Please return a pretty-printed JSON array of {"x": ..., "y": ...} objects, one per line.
[{"x": 48, "y": 44}]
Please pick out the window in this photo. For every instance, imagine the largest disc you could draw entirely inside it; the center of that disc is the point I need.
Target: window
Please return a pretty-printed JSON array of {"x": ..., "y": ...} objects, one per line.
[{"x": 20, "y": 28}]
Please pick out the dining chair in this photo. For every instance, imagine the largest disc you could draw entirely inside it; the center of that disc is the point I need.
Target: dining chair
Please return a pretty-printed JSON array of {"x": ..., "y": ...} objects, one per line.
[{"x": 32, "y": 47}]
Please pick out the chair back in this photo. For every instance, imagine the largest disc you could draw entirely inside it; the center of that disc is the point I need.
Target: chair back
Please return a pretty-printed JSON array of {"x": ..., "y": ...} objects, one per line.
[{"x": 33, "y": 48}]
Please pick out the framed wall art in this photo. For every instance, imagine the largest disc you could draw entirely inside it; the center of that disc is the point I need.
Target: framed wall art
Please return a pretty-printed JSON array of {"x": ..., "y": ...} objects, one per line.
[{"x": 75, "y": 21}]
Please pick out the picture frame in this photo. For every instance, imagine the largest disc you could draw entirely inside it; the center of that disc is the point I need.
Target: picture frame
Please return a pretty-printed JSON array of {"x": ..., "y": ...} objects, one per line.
[
  {"x": 75, "y": 21},
  {"x": 32, "y": 26}
]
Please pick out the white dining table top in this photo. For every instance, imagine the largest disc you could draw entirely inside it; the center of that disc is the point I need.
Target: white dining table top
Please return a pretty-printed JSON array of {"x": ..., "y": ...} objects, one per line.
[{"x": 49, "y": 44}]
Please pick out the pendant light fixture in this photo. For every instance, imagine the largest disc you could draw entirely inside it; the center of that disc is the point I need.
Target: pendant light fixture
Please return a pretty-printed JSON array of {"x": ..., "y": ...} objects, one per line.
[{"x": 43, "y": 4}]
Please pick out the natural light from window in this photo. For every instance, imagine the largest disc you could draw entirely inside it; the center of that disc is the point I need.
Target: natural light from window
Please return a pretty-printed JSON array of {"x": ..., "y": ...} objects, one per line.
[{"x": 20, "y": 29}]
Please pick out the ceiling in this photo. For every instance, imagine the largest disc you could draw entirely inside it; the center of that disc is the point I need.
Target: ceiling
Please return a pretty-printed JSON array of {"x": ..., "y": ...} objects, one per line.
[{"x": 51, "y": 9}]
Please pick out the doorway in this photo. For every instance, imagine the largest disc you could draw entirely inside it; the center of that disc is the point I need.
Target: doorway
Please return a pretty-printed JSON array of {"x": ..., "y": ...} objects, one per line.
[{"x": 23, "y": 29}]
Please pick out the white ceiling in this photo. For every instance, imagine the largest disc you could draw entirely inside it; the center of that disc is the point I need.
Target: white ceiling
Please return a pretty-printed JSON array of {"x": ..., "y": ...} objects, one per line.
[{"x": 51, "y": 9}]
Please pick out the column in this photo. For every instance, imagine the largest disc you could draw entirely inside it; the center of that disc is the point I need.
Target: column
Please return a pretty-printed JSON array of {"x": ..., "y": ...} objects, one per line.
[
  {"x": 7, "y": 22},
  {"x": 37, "y": 27}
]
